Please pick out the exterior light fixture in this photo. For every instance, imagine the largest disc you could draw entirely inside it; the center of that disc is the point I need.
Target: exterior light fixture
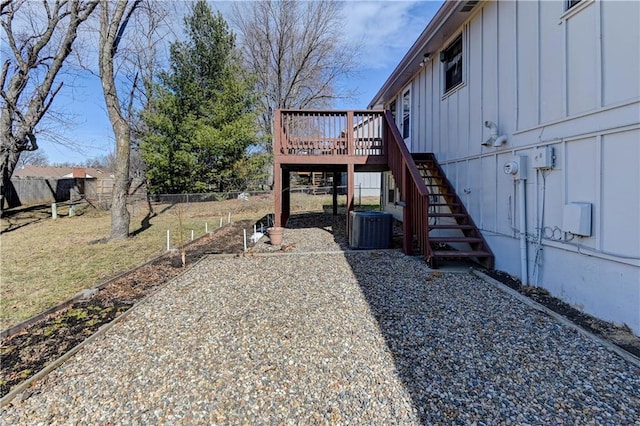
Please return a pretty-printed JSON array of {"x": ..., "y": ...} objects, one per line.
[{"x": 426, "y": 58}]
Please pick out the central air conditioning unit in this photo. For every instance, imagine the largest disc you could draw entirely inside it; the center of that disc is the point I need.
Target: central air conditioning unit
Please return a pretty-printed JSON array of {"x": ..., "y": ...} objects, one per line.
[{"x": 370, "y": 230}]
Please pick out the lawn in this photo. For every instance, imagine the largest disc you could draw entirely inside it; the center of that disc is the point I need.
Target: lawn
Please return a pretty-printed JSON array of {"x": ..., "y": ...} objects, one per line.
[{"x": 45, "y": 261}]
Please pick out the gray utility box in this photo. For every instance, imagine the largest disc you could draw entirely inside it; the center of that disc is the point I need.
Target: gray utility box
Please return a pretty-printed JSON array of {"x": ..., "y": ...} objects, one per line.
[{"x": 370, "y": 230}]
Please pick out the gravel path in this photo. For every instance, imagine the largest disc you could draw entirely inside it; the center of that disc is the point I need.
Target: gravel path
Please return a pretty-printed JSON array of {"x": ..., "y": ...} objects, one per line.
[{"x": 333, "y": 338}]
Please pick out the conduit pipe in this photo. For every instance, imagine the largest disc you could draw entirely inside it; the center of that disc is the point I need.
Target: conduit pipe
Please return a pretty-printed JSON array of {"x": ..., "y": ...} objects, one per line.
[
  {"x": 522, "y": 202},
  {"x": 494, "y": 140}
]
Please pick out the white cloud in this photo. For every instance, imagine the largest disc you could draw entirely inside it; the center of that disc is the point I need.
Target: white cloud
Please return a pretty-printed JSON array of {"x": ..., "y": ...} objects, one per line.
[{"x": 386, "y": 29}]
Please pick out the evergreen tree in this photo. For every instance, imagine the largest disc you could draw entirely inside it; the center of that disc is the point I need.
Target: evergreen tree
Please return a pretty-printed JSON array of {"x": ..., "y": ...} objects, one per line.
[{"x": 201, "y": 121}]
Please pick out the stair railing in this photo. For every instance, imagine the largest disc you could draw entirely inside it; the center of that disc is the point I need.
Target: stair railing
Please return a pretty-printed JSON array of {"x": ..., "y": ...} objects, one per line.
[{"x": 413, "y": 191}]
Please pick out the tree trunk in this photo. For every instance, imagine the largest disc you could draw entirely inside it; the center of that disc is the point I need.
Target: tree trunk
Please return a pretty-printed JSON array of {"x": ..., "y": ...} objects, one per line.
[
  {"x": 120, "y": 217},
  {"x": 8, "y": 160},
  {"x": 112, "y": 25}
]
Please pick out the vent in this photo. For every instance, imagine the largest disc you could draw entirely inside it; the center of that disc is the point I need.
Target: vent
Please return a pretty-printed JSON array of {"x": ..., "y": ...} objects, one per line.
[{"x": 469, "y": 5}]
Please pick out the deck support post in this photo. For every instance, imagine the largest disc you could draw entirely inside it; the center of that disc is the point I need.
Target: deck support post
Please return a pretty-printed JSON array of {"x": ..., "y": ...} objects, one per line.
[
  {"x": 336, "y": 178},
  {"x": 277, "y": 194},
  {"x": 286, "y": 195},
  {"x": 407, "y": 219},
  {"x": 350, "y": 190}
]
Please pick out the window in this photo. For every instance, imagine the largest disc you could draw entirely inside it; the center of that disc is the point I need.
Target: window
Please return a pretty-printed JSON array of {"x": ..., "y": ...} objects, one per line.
[
  {"x": 571, "y": 3},
  {"x": 392, "y": 108},
  {"x": 406, "y": 113},
  {"x": 452, "y": 59}
]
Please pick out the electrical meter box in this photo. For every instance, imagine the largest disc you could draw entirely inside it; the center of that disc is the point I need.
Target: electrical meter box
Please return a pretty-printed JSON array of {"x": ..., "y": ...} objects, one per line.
[
  {"x": 576, "y": 219},
  {"x": 544, "y": 158},
  {"x": 516, "y": 167}
]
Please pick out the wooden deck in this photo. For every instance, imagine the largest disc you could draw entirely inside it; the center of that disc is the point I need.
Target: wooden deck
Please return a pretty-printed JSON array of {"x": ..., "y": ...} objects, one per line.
[
  {"x": 325, "y": 141},
  {"x": 348, "y": 141}
]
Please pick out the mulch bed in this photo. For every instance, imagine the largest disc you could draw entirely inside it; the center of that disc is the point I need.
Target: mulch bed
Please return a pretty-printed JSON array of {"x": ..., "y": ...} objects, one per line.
[{"x": 25, "y": 353}]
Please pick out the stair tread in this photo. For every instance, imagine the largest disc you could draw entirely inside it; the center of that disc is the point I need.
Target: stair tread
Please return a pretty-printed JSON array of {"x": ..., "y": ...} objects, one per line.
[
  {"x": 444, "y": 204},
  {"x": 447, "y": 214},
  {"x": 455, "y": 253},
  {"x": 455, "y": 239},
  {"x": 451, "y": 226}
]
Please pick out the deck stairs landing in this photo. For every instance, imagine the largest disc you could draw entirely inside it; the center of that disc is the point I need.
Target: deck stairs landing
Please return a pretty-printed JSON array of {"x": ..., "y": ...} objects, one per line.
[{"x": 452, "y": 233}]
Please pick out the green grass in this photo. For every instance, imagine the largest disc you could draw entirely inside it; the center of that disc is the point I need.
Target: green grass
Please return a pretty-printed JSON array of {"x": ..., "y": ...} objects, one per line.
[{"x": 45, "y": 261}]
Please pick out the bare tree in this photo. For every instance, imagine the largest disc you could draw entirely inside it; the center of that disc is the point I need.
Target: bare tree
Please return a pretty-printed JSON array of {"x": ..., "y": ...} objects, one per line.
[
  {"x": 122, "y": 30},
  {"x": 296, "y": 51},
  {"x": 32, "y": 158},
  {"x": 114, "y": 18},
  {"x": 39, "y": 40}
]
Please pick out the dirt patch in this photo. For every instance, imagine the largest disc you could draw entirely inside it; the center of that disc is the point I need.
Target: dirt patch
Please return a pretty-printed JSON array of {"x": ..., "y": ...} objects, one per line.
[
  {"x": 26, "y": 353},
  {"x": 621, "y": 336}
]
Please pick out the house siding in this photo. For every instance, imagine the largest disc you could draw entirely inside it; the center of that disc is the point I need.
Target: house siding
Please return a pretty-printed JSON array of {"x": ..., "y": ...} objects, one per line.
[{"x": 547, "y": 78}]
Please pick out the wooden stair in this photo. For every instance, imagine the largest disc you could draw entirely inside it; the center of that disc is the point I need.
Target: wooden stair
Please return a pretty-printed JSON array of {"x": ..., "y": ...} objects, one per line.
[{"x": 447, "y": 213}]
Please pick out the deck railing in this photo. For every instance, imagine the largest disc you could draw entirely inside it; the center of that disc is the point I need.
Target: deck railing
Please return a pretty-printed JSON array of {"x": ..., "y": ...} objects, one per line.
[
  {"x": 337, "y": 133},
  {"x": 413, "y": 191},
  {"x": 355, "y": 134}
]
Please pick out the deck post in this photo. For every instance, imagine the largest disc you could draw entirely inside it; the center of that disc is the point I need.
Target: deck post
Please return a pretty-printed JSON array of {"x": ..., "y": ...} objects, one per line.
[
  {"x": 336, "y": 177},
  {"x": 350, "y": 190},
  {"x": 351, "y": 149},
  {"x": 277, "y": 194},
  {"x": 407, "y": 219},
  {"x": 286, "y": 195},
  {"x": 277, "y": 169}
]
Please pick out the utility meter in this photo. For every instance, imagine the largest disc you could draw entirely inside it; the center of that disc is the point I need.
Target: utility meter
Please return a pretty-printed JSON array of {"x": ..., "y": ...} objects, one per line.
[
  {"x": 516, "y": 167},
  {"x": 511, "y": 167}
]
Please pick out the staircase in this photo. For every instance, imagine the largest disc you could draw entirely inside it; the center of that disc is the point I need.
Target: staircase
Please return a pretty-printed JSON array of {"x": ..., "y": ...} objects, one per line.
[{"x": 460, "y": 238}]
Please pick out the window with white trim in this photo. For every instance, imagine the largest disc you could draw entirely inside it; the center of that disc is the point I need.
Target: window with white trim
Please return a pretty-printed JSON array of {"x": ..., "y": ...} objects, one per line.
[
  {"x": 572, "y": 3},
  {"x": 451, "y": 57}
]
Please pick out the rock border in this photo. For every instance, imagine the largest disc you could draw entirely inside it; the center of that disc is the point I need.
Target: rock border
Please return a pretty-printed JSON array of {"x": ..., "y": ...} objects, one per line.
[{"x": 627, "y": 356}]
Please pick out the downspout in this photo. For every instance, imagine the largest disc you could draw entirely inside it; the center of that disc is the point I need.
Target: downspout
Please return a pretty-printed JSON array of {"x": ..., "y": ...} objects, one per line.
[{"x": 522, "y": 202}]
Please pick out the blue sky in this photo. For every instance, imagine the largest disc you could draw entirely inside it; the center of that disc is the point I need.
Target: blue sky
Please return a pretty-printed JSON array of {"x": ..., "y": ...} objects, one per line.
[{"x": 386, "y": 29}]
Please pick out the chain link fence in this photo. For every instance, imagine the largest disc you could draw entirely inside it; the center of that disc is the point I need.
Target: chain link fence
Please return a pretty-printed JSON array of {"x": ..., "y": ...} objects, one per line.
[{"x": 245, "y": 195}]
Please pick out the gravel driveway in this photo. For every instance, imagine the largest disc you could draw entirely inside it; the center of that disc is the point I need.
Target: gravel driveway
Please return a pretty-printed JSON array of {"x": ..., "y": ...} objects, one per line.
[{"x": 333, "y": 338}]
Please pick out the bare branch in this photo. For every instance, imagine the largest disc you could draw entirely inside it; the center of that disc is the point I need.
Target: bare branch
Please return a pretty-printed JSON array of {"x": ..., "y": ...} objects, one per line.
[
  {"x": 28, "y": 76},
  {"x": 295, "y": 50},
  {"x": 3, "y": 74},
  {"x": 3, "y": 6},
  {"x": 51, "y": 97}
]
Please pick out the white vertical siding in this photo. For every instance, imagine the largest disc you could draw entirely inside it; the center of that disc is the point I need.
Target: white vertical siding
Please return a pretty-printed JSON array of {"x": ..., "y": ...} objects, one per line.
[
  {"x": 490, "y": 68},
  {"x": 582, "y": 46},
  {"x": 474, "y": 78},
  {"x": 552, "y": 72},
  {"x": 620, "y": 63},
  {"x": 420, "y": 141},
  {"x": 548, "y": 77},
  {"x": 620, "y": 195},
  {"x": 528, "y": 64},
  {"x": 507, "y": 66}
]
